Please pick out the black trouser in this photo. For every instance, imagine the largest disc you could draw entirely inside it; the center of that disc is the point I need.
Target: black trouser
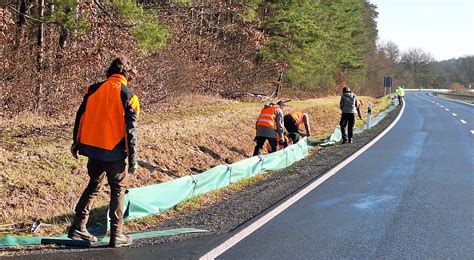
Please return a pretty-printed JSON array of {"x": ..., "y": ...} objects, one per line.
[
  {"x": 400, "y": 100},
  {"x": 292, "y": 128},
  {"x": 294, "y": 137},
  {"x": 347, "y": 120},
  {"x": 115, "y": 173},
  {"x": 261, "y": 141}
]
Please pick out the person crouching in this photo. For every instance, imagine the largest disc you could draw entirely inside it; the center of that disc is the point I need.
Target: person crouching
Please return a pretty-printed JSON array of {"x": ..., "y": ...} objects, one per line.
[{"x": 269, "y": 125}]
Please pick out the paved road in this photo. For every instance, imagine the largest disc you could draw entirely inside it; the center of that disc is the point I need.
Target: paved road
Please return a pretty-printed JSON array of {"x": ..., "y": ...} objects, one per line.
[
  {"x": 411, "y": 195},
  {"x": 463, "y": 112}
]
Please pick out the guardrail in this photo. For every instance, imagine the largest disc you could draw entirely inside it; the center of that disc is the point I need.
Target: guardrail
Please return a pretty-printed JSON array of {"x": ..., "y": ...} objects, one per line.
[
  {"x": 437, "y": 90},
  {"x": 428, "y": 90},
  {"x": 465, "y": 98}
]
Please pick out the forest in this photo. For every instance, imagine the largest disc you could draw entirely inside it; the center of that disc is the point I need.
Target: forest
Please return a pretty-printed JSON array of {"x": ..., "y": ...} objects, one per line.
[{"x": 51, "y": 50}]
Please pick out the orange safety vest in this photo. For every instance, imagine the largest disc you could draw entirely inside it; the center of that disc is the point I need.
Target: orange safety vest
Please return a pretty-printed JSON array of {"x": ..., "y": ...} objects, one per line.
[
  {"x": 267, "y": 117},
  {"x": 298, "y": 116},
  {"x": 103, "y": 122}
]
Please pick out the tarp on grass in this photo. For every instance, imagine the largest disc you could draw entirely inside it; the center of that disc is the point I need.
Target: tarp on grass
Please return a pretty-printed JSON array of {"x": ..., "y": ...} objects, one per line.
[{"x": 12, "y": 241}]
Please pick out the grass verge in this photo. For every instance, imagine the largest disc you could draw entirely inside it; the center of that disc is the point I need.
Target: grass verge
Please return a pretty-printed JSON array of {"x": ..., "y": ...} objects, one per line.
[{"x": 40, "y": 180}]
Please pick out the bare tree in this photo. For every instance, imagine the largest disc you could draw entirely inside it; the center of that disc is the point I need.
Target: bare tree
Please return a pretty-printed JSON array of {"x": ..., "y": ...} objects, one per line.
[
  {"x": 468, "y": 68},
  {"x": 391, "y": 51},
  {"x": 418, "y": 63},
  {"x": 40, "y": 43}
]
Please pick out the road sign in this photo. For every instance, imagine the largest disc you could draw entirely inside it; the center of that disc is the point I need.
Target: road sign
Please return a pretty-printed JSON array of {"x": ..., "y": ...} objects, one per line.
[{"x": 387, "y": 82}]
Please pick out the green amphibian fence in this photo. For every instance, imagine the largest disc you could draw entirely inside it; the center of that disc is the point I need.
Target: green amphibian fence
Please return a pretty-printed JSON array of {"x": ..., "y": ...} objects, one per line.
[{"x": 154, "y": 199}]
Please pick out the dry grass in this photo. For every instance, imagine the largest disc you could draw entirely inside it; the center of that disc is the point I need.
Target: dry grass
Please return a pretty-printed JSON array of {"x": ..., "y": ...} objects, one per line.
[{"x": 40, "y": 179}]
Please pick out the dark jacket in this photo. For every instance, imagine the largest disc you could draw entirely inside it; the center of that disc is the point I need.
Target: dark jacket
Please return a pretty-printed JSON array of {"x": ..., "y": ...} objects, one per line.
[
  {"x": 349, "y": 103},
  {"x": 105, "y": 125}
]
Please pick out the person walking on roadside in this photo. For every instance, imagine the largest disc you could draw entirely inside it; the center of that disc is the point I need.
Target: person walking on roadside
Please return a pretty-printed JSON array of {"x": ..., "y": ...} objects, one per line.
[
  {"x": 294, "y": 124},
  {"x": 349, "y": 106},
  {"x": 105, "y": 132},
  {"x": 400, "y": 94},
  {"x": 269, "y": 125}
]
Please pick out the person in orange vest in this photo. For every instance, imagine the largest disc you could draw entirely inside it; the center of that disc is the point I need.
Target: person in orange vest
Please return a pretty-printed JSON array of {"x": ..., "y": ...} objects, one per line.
[
  {"x": 269, "y": 125},
  {"x": 294, "y": 124},
  {"x": 105, "y": 132}
]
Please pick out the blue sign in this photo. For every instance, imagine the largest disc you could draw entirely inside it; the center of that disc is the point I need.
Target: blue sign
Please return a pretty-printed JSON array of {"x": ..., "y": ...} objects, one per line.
[{"x": 387, "y": 82}]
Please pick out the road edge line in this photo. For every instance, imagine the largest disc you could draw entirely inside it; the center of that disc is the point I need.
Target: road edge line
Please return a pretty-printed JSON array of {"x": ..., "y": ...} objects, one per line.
[{"x": 242, "y": 234}]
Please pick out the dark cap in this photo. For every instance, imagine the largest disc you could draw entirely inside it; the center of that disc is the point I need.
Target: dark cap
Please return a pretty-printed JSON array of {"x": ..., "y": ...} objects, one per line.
[{"x": 122, "y": 66}]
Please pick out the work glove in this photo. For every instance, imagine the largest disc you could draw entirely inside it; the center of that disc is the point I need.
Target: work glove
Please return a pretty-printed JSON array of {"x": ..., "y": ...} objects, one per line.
[
  {"x": 132, "y": 165},
  {"x": 74, "y": 149}
]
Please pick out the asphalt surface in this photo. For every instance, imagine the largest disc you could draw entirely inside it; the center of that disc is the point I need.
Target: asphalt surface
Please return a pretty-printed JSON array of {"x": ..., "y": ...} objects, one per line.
[{"x": 411, "y": 195}]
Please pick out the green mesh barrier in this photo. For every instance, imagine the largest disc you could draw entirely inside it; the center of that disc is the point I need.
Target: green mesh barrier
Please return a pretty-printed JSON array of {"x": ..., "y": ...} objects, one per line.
[
  {"x": 157, "y": 198},
  {"x": 153, "y": 199},
  {"x": 12, "y": 241}
]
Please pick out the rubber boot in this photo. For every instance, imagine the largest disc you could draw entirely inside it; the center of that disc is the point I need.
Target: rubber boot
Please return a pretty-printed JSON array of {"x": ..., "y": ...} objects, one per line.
[
  {"x": 81, "y": 233},
  {"x": 120, "y": 240}
]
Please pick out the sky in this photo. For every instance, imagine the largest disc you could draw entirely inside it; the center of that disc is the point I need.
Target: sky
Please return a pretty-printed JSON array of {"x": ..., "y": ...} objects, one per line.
[{"x": 444, "y": 28}]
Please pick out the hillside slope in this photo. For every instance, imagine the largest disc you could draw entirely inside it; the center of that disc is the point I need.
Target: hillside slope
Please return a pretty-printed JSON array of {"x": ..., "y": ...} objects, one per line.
[{"x": 40, "y": 179}]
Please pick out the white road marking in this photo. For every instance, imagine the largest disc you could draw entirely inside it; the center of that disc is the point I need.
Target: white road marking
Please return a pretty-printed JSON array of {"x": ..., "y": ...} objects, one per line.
[
  {"x": 454, "y": 114},
  {"x": 462, "y": 121},
  {"x": 441, "y": 106},
  {"x": 447, "y": 109},
  {"x": 242, "y": 234},
  {"x": 472, "y": 132},
  {"x": 437, "y": 104}
]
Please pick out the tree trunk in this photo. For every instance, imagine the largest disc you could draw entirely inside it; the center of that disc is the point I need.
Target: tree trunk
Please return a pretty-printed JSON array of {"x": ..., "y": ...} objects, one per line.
[
  {"x": 22, "y": 9},
  {"x": 278, "y": 85},
  {"x": 40, "y": 65},
  {"x": 78, "y": 10},
  {"x": 21, "y": 21},
  {"x": 63, "y": 31},
  {"x": 201, "y": 21},
  {"x": 341, "y": 79},
  {"x": 63, "y": 36}
]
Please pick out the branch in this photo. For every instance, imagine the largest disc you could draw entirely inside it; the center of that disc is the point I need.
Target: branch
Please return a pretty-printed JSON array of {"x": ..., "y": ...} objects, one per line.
[
  {"x": 239, "y": 94},
  {"x": 107, "y": 14},
  {"x": 25, "y": 15}
]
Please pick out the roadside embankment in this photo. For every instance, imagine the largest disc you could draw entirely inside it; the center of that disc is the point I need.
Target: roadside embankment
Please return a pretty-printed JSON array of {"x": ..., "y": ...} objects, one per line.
[
  {"x": 39, "y": 178},
  {"x": 225, "y": 210}
]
